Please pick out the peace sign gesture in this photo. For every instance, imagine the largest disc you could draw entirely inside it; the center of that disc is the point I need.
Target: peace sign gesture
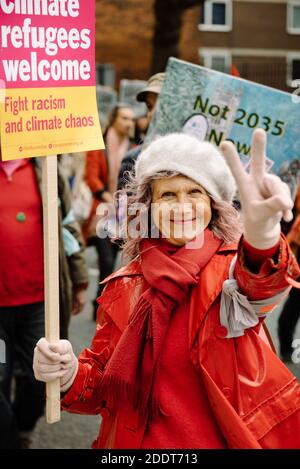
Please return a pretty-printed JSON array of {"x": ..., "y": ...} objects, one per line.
[{"x": 264, "y": 197}]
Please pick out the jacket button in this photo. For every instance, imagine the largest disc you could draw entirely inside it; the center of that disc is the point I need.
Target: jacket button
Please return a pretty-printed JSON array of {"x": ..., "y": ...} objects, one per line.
[
  {"x": 21, "y": 217},
  {"x": 221, "y": 332}
]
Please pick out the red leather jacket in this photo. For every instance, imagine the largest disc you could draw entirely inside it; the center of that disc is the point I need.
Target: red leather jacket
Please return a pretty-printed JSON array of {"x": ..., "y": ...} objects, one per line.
[{"x": 253, "y": 395}]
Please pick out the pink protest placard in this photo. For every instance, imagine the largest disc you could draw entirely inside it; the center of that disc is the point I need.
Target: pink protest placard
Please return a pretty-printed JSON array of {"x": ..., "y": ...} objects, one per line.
[{"x": 47, "y": 65}]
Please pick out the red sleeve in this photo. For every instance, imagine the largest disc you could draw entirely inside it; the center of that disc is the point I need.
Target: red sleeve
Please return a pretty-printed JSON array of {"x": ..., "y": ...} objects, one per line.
[
  {"x": 254, "y": 258},
  {"x": 94, "y": 178},
  {"x": 273, "y": 276},
  {"x": 82, "y": 397}
]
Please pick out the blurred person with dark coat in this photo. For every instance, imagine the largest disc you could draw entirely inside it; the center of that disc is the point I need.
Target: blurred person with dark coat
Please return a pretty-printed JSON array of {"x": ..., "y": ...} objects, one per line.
[
  {"x": 290, "y": 313},
  {"x": 141, "y": 127},
  {"x": 149, "y": 96}
]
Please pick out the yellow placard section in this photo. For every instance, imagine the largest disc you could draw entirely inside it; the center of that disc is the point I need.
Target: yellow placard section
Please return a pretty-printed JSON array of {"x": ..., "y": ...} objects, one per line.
[{"x": 47, "y": 121}]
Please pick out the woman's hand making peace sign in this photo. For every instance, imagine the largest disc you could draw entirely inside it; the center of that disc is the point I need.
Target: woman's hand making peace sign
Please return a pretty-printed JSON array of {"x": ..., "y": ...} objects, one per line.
[{"x": 264, "y": 197}]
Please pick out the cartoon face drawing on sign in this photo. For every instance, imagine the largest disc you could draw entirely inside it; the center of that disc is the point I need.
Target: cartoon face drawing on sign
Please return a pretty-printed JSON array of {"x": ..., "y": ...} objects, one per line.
[{"x": 197, "y": 126}]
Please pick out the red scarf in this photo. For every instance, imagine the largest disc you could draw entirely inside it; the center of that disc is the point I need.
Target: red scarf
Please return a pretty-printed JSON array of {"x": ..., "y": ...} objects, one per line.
[{"x": 171, "y": 275}]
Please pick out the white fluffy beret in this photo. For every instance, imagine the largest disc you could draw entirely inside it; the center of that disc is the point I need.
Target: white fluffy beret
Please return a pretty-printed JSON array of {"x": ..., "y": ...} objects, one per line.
[{"x": 185, "y": 154}]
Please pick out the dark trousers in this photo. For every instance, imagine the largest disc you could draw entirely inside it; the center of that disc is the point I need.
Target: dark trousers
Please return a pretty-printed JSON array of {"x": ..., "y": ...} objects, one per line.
[
  {"x": 288, "y": 320},
  {"x": 107, "y": 252},
  {"x": 20, "y": 329}
]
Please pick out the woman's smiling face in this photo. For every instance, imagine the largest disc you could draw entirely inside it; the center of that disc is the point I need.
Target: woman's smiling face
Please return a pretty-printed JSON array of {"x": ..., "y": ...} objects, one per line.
[{"x": 181, "y": 208}]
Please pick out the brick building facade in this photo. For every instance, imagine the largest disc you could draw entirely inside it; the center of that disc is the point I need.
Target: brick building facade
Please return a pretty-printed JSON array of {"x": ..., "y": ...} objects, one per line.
[
  {"x": 124, "y": 36},
  {"x": 124, "y": 30},
  {"x": 260, "y": 37}
]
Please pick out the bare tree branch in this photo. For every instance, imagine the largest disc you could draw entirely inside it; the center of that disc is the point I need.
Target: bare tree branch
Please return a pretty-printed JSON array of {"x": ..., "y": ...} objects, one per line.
[{"x": 168, "y": 16}]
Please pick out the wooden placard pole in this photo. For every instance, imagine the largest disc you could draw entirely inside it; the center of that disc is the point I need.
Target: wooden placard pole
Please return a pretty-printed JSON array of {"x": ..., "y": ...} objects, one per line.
[{"x": 51, "y": 269}]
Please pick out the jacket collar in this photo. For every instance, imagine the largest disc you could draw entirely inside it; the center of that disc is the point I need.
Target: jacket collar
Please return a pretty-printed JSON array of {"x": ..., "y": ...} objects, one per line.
[{"x": 134, "y": 267}]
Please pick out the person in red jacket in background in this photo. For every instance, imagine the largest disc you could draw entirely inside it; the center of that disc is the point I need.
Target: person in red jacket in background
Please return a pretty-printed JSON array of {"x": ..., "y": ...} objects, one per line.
[
  {"x": 178, "y": 359},
  {"x": 22, "y": 290},
  {"x": 101, "y": 175}
]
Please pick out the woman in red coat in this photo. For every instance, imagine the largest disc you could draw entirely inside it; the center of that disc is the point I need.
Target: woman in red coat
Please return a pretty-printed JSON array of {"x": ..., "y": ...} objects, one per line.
[{"x": 179, "y": 359}]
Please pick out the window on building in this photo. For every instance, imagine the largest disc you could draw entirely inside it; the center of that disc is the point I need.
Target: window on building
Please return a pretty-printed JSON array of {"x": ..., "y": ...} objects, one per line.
[
  {"x": 216, "y": 15},
  {"x": 219, "y": 60},
  {"x": 293, "y": 68},
  {"x": 105, "y": 75},
  {"x": 293, "y": 16}
]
